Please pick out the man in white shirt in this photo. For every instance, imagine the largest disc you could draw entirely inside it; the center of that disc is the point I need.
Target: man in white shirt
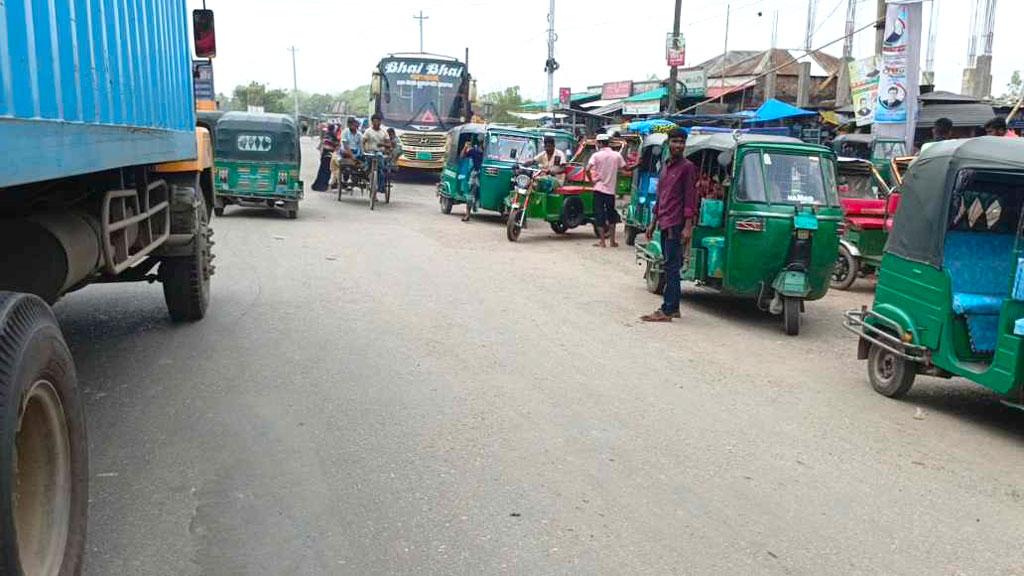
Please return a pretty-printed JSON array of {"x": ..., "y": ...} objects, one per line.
[{"x": 552, "y": 163}]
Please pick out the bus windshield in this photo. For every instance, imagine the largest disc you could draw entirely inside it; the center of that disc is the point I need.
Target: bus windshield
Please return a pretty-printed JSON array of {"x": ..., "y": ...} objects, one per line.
[{"x": 423, "y": 93}]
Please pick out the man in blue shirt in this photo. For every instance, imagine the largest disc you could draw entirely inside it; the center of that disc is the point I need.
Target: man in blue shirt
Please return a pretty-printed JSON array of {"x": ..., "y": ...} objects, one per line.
[
  {"x": 350, "y": 150},
  {"x": 472, "y": 151}
]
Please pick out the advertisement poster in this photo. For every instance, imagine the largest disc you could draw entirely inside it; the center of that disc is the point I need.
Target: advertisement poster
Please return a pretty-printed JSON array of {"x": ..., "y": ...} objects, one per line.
[
  {"x": 564, "y": 97},
  {"x": 202, "y": 80},
  {"x": 695, "y": 82},
  {"x": 864, "y": 89},
  {"x": 675, "y": 50},
  {"x": 892, "y": 84}
]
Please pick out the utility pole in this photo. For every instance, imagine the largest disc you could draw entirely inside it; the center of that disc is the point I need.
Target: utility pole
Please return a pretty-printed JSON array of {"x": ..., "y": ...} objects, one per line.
[
  {"x": 725, "y": 53},
  {"x": 551, "y": 65},
  {"x": 673, "y": 73},
  {"x": 879, "y": 28},
  {"x": 295, "y": 84},
  {"x": 812, "y": 9},
  {"x": 770, "y": 80},
  {"x": 928, "y": 76},
  {"x": 843, "y": 79},
  {"x": 421, "y": 18}
]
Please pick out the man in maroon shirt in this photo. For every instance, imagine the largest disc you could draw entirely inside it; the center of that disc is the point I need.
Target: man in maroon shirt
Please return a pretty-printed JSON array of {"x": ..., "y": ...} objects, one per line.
[{"x": 673, "y": 213}]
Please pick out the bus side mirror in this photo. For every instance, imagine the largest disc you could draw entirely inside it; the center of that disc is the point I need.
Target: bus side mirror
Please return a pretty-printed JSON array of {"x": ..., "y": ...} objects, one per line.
[
  {"x": 203, "y": 33},
  {"x": 375, "y": 82},
  {"x": 472, "y": 91}
]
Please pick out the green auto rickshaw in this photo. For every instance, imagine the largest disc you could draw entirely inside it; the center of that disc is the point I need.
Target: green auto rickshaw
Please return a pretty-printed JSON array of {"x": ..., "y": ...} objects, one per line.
[
  {"x": 503, "y": 147},
  {"x": 564, "y": 139},
  {"x": 257, "y": 162},
  {"x": 880, "y": 151},
  {"x": 644, "y": 186},
  {"x": 772, "y": 235},
  {"x": 950, "y": 294}
]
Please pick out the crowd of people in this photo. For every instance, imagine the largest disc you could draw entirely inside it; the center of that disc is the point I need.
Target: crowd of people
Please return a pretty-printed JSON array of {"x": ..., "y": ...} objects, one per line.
[{"x": 343, "y": 150}]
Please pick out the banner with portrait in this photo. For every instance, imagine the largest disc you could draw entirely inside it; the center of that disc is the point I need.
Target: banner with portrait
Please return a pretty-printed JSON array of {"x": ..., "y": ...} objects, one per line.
[
  {"x": 893, "y": 74},
  {"x": 864, "y": 89}
]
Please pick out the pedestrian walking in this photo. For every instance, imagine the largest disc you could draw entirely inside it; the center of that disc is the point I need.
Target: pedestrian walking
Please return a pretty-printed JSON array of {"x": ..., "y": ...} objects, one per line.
[
  {"x": 603, "y": 170},
  {"x": 673, "y": 215}
]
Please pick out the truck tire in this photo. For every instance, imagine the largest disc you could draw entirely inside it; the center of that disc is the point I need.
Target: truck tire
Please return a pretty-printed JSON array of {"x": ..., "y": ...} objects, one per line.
[
  {"x": 186, "y": 279},
  {"x": 44, "y": 470}
]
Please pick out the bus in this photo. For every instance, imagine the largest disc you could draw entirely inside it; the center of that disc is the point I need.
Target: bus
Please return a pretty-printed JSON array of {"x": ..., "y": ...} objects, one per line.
[{"x": 422, "y": 96}]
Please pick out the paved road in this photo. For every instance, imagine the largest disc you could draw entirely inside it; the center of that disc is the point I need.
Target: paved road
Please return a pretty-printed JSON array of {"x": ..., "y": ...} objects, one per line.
[{"x": 396, "y": 392}]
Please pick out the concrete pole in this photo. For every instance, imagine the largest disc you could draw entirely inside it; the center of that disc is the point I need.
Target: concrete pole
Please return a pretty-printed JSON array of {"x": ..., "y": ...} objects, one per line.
[
  {"x": 295, "y": 84},
  {"x": 843, "y": 75},
  {"x": 812, "y": 9},
  {"x": 551, "y": 57},
  {"x": 725, "y": 52},
  {"x": 769, "y": 81},
  {"x": 421, "y": 18},
  {"x": 803, "y": 90},
  {"x": 880, "y": 28},
  {"x": 673, "y": 72},
  {"x": 928, "y": 76}
]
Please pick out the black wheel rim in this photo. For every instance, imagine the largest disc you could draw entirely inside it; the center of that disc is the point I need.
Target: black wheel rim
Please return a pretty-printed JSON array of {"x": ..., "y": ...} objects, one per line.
[{"x": 842, "y": 269}]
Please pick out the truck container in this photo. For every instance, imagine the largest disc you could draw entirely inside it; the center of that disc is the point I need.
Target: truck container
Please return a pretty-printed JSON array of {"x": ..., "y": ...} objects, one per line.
[
  {"x": 105, "y": 80},
  {"x": 104, "y": 178}
]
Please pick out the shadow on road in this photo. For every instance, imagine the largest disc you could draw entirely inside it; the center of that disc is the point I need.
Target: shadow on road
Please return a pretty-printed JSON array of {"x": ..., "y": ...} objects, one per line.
[
  {"x": 407, "y": 176},
  {"x": 968, "y": 402}
]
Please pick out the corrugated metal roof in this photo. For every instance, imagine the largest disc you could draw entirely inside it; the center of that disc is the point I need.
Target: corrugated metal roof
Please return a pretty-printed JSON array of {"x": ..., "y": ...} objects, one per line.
[{"x": 962, "y": 115}]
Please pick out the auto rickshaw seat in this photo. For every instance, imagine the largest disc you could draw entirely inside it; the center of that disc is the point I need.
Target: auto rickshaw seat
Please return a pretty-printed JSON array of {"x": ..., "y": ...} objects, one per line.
[{"x": 980, "y": 267}]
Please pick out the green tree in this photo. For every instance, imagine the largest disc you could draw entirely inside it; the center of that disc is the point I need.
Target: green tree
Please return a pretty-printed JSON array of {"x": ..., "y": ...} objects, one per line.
[{"x": 502, "y": 102}]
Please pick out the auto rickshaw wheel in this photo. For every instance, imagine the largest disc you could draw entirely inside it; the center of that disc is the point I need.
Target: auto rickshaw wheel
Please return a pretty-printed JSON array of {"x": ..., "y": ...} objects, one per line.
[
  {"x": 631, "y": 234},
  {"x": 512, "y": 226},
  {"x": 655, "y": 279},
  {"x": 845, "y": 272},
  {"x": 559, "y": 227},
  {"x": 791, "y": 315},
  {"x": 218, "y": 211},
  {"x": 446, "y": 204},
  {"x": 890, "y": 375},
  {"x": 572, "y": 212}
]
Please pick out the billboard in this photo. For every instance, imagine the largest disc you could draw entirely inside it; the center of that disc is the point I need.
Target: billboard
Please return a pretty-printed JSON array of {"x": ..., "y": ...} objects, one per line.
[
  {"x": 695, "y": 82},
  {"x": 892, "y": 83},
  {"x": 616, "y": 90}
]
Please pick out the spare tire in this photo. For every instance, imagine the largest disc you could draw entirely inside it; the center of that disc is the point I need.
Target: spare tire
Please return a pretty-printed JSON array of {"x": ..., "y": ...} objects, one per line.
[{"x": 44, "y": 471}]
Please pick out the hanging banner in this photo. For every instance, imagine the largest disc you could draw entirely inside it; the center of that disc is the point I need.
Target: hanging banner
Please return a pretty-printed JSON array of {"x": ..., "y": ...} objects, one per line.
[
  {"x": 675, "y": 50},
  {"x": 202, "y": 80},
  {"x": 892, "y": 83},
  {"x": 643, "y": 108},
  {"x": 695, "y": 81},
  {"x": 864, "y": 89}
]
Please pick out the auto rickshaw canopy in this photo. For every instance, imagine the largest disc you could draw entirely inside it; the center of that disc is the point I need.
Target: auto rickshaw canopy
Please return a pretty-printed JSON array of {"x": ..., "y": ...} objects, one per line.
[
  {"x": 928, "y": 187},
  {"x": 257, "y": 137}
]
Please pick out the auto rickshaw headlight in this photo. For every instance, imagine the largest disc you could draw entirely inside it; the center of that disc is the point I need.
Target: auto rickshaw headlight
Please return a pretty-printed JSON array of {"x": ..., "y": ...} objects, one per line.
[
  {"x": 222, "y": 174},
  {"x": 803, "y": 234},
  {"x": 282, "y": 178},
  {"x": 523, "y": 181}
]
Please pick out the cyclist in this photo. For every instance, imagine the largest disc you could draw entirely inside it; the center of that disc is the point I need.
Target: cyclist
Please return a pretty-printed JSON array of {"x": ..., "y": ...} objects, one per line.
[{"x": 377, "y": 141}]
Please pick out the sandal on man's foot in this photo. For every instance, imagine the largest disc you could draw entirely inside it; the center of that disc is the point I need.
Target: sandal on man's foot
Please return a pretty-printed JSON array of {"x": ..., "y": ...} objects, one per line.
[{"x": 656, "y": 316}]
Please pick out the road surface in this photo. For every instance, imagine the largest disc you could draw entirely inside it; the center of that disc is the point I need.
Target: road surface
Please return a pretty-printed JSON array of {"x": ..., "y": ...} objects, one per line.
[{"x": 397, "y": 392}]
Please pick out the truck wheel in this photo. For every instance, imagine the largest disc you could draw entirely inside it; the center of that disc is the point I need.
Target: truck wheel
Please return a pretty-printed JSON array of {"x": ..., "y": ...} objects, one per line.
[
  {"x": 446, "y": 205},
  {"x": 186, "y": 279},
  {"x": 655, "y": 279},
  {"x": 791, "y": 315},
  {"x": 44, "y": 475},
  {"x": 845, "y": 272},
  {"x": 890, "y": 375}
]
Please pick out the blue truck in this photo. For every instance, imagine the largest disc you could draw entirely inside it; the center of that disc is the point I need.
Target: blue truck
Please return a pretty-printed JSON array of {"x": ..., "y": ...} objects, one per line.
[{"x": 104, "y": 177}]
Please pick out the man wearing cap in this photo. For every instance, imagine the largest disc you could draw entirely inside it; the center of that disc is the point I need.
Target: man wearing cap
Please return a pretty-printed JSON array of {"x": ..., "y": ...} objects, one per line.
[
  {"x": 673, "y": 214},
  {"x": 603, "y": 170}
]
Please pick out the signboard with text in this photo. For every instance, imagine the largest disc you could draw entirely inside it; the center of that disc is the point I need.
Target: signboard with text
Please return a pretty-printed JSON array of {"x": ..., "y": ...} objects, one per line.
[
  {"x": 616, "y": 90},
  {"x": 695, "y": 82},
  {"x": 644, "y": 108},
  {"x": 202, "y": 80}
]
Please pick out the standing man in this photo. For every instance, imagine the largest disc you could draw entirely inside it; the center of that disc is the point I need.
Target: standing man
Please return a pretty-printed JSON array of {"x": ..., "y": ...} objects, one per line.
[
  {"x": 673, "y": 214},
  {"x": 603, "y": 170},
  {"x": 472, "y": 151}
]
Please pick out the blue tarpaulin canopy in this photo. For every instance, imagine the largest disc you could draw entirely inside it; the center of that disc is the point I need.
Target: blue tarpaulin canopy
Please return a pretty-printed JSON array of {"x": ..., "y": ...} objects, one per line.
[
  {"x": 773, "y": 110},
  {"x": 645, "y": 127}
]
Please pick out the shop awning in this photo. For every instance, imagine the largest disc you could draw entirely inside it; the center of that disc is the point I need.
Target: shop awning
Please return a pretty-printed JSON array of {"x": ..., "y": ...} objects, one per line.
[{"x": 773, "y": 110}]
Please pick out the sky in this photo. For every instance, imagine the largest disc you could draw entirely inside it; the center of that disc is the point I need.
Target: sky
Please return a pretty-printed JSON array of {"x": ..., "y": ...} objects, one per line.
[{"x": 340, "y": 41}]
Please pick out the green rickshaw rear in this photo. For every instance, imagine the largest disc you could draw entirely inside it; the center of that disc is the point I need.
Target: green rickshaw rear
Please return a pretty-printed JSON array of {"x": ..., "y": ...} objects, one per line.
[
  {"x": 503, "y": 147},
  {"x": 257, "y": 162},
  {"x": 950, "y": 293}
]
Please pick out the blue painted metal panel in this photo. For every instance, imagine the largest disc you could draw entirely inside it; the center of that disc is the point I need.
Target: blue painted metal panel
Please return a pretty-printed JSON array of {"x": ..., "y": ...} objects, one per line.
[{"x": 90, "y": 85}]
